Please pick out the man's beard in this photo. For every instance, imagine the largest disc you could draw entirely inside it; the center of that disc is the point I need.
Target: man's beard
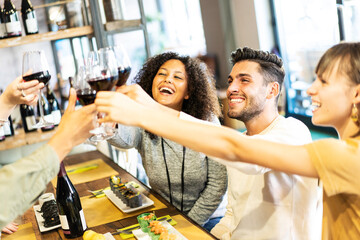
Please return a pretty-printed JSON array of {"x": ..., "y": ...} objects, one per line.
[{"x": 253, "y": 109}]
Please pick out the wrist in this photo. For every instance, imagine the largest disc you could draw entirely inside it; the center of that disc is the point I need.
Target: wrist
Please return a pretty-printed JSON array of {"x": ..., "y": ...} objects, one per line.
[
  {"x": 6, "y": 107},
  {"x": 60, "y": 144},
  {"x": 143, "y": 122}
]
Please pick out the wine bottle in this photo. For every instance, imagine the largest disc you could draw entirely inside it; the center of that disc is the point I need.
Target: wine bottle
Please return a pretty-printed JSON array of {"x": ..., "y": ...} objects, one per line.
[
  {"x": 8, "y": 128},
  {"x": 47, "y": 112},
  {"x": 54, "y": 106},
  {"x": 12, "y": 21},
  {"x": 70, "y": 211},
  {"x": 3, "y": 33},
  {"x": 29, "y": 17},
  {"x": 28, "y": 117}
]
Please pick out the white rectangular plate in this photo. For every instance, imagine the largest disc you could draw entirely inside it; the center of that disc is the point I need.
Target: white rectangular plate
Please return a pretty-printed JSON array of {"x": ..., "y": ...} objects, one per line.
[
  {"x": 146, "y": 202},
  {"x": 40, "y": 220},
  {"x": 108, "y": 236},
  {"x": 140, "y": 235}
]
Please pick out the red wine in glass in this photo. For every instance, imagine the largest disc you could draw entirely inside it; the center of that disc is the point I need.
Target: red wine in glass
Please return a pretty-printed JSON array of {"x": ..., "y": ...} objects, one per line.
[
  {"x": 103, "y": 84},
  {"x": 86, "y": 96},
  {"x": 124, "y": 74},
  {"x": 43, "y": 76}
]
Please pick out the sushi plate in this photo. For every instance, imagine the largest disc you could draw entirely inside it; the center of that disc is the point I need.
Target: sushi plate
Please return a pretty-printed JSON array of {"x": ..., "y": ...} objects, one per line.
[
  {"x": 40, "y": 220},
  {"x": 146, "y": 202},
  {"x": 140, "y": 235}
]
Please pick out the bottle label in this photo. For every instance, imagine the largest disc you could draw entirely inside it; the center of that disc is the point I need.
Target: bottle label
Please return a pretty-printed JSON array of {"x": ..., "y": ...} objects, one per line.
[
  {"x": 30, "y": 122},
  {"x": 13, "y": 28},
  {"x": 32, "y": 25},
  {"x": 2, "y": 133},
  {"x": 82, "y": 219},
  {"x": 57, "y": 116},
  {"x": 7, "y": 129},
  {"x": 49, "y": 118},
  {"x": 64, "y": 224},
  {"x": 3, "y": 32}
]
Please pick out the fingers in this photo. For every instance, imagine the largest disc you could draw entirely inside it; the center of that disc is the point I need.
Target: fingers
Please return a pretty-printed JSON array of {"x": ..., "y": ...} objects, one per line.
[
  {"x": 6, "y": 230},
  {"x": 30, "y": 84},
  {"x": 104, "y": 119},
  {"x": 89, "y": 109},
  {"x": 104, "y": 97},
  {"x": 102, "y": 102},
  {"x": 30, "y": 99},
  {"x": 10, "y": 228},
  {"x": 126, "y": 88},
  {"x": 103, "y": 109},
  {"x": 72, "y": 100},
  {"x": 27, "y": 90},
  {"x": 104, "y": 94}
]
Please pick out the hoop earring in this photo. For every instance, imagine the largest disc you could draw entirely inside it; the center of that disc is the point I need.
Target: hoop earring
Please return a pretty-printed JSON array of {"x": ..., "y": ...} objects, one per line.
[{"x": 355, "y": 114}]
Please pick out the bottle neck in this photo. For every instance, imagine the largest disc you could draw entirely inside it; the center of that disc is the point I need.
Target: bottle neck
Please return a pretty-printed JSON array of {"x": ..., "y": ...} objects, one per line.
[
  {"x": 8, "y": 5},
  {"x": 26, "y": 4},
  {"x": 62, "y": 171}
]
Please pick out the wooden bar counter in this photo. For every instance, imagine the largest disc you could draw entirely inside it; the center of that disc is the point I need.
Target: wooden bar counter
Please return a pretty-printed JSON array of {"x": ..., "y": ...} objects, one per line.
[{"x": 101, "y": 214}]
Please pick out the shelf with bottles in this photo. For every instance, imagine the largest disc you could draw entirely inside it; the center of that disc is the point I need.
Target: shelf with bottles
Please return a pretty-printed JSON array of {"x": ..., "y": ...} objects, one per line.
[
  {"x": 21, "y": 138},
  {"x": 48, "y": 36}
]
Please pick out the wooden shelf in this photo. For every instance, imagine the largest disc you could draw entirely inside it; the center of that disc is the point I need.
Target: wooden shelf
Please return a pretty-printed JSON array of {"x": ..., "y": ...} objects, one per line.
[
  {"x": 122, "y": 25},
  {"x": 61, "y": 34},
  {"x": 21, "y": 138}
]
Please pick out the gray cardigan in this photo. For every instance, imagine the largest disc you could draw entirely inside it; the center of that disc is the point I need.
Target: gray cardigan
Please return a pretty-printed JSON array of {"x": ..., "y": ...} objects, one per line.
[{"x": 205, "y": 180}]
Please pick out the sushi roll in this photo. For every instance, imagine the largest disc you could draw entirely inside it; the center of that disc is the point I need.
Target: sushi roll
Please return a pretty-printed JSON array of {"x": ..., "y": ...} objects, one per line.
[
  {"x": 126, "y": 193},
  {"x": 134, "y": 198}
]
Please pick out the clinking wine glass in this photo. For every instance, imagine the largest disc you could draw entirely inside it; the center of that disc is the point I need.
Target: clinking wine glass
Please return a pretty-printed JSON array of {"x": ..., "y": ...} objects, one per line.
[
  {"x": 123, "y": 63},
  {"x": 103, "y": 77},
  {"x": 85, "y": 94},
  {"x": 37, "y": 63}
]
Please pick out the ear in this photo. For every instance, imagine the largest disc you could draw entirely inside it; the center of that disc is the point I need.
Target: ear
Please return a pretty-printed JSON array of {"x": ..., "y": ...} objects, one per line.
[
  {"x": 357, "y": 95},
  {"x": 273, "y": 90},
  {"x": 186, "y": 96}
]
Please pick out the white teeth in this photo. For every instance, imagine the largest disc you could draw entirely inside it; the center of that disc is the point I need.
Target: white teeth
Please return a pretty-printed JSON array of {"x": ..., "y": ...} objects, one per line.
[
  {"x": 167, "y": 89},
  {"x": 314, "y": 106},
  {"x": 237, "y": 100}
]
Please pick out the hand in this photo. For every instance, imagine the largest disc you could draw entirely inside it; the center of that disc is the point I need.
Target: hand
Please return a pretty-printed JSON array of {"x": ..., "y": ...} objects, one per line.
[
  {"x": 136, "y": 93},
  {"x": 118, "y": 108},
  {"x": 74, "y": 126},
  {"x": 22, "y": 92},
  {"x": 10, "y": 228}
]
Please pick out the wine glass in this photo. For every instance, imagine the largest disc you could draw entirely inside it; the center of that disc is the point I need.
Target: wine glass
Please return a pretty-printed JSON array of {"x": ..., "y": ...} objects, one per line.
[
  {"x": 35, "y": 66},
  {"x": 102, "y": 77},
  {"x": 85, "y": 94},
  {"x": 92, "y": 59},
  {"x": 123, "y": 64}
]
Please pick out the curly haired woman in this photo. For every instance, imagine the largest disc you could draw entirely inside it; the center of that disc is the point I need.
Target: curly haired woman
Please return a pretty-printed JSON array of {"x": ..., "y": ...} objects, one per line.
[{"x": 189, "y": 180}]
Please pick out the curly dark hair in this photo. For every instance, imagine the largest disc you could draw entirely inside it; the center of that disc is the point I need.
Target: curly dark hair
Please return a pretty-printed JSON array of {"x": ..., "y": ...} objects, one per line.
[
  {"x": 202, "y": 103},
  {"x": 271, "y": 66}
]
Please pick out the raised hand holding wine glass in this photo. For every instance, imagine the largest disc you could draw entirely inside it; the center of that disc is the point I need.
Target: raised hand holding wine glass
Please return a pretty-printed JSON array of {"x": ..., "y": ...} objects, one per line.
[{"x": 35, "y": 66}]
